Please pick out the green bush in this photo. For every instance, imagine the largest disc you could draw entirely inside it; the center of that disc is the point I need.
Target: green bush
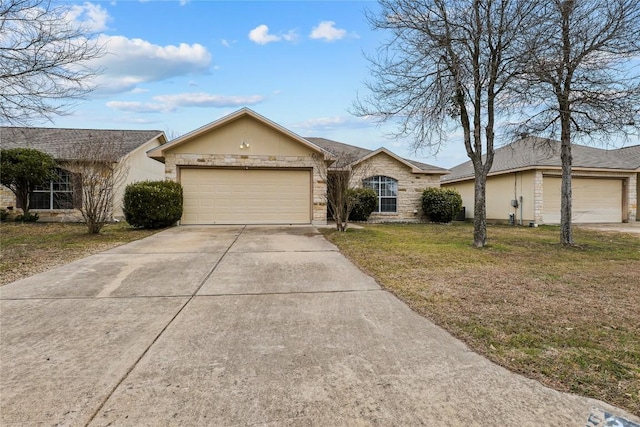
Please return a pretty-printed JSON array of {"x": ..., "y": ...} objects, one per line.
[
  {"x": 440, "y": 204},
  {"x": 366, "y": 201},
  {"x": 28, "y": 217},
  {"x": 4, "y": 214},
  {"x": 153, "y": 204}
]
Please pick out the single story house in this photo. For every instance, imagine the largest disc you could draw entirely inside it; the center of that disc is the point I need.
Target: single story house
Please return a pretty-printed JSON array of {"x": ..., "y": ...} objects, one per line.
[
  {"x": 60, "y": 199},
  {"x": 524, "y": 183},
  {"x": 246, "y": 169}
]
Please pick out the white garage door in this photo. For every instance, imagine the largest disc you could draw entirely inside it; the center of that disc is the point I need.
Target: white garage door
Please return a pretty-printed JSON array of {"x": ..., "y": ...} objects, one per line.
[
  {"x": 593, "y": 200},
  {"x": 238, "y": 196}
]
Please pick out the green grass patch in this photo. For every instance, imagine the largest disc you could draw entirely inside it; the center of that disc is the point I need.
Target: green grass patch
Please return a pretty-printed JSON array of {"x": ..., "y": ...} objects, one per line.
[{"x": 566, "y": 316}]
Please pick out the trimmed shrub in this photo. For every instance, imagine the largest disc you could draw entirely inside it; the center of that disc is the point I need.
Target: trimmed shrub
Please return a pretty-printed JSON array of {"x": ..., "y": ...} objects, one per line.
[
  {"x": 28, "y": 217},
  {"x": 4, "y": 214},
  {"x": 153, "y": 204},
  {"x": 366, "y": 201},
  {"x": 441, "y": 204}
]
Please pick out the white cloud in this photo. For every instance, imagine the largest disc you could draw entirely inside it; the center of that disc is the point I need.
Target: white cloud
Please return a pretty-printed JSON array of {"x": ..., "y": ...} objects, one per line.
[
  {"x": 130, "y": 62},
  {"x": 201, "y": 99},
  {"x": 90, "y": 16},
  {"x": 225, "y": 43},
  {"x": 327, "y": 31},
  {"x": 260, "y": 35},
  {"x": 170, "y": 103},
  {"x": 139, "y": 107},
  {"x": 335, "y": 122}
]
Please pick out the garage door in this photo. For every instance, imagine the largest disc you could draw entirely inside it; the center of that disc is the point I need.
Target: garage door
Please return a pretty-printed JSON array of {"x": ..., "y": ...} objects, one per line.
[
  {"x": 238, "y": 196},
  {"x": 593, "y": 200}
]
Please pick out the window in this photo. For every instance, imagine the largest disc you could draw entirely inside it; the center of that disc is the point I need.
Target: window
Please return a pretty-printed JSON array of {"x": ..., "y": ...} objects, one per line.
[
  {"x": 387, "y": 190},
  {"x": 56, "y": 194}
]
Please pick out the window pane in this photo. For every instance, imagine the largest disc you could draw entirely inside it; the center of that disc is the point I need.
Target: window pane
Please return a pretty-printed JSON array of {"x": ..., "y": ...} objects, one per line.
[
  {"x": 39, "y": 200},
  {"x": 62, "y": 200},
  {"x": 387, "y": 204}
]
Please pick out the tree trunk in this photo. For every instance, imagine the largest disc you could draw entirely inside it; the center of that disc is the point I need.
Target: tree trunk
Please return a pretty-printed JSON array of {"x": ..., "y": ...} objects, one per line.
[
  {"x": 566, "y": 231},
  {"x": 480, "y": 214}
]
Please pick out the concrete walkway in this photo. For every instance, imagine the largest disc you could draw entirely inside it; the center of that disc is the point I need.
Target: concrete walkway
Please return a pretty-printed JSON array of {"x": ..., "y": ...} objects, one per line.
[{"x": 245, "y": 326}]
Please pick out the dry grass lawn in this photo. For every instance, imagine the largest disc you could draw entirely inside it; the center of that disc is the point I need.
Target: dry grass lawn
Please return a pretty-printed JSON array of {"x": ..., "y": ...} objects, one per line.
[
  {"x": 568, "y": 317},
  {"x": 31, "y": 248}
]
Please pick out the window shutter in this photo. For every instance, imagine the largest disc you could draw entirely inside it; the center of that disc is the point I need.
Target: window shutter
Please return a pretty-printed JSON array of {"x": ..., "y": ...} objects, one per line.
[{"x": 77, "y": 190}]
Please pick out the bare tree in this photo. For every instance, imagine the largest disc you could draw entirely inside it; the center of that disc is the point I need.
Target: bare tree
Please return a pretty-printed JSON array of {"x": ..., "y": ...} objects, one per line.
[
  {"x": 582, "y": 77},
  {"x": 343, "y": 175},
  {"x": 43, "y": 60},
  {"x": 448, "y": 63},
  {"x": 100, "y": 172}
]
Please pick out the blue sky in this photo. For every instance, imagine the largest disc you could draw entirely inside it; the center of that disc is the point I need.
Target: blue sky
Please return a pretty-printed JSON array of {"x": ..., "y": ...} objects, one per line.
[{"x": 178, "y": 65}]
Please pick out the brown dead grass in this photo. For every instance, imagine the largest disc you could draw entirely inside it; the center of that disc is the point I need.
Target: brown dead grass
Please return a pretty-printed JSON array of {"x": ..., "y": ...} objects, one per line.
[
  {"x": 31, "y": 248},
  {"x": 568, "y": 317}
]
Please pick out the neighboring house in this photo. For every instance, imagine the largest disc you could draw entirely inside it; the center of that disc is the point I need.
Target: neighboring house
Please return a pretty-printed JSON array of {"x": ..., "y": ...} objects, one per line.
[
  {"x": 246, "y": 169},
  {"x": 60, "y": 199},
  {"x": 524, "y": 182}
]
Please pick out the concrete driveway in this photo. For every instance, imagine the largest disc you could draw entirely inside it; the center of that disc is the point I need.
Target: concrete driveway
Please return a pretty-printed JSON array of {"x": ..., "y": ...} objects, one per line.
[{"x": 245, "y": 326}]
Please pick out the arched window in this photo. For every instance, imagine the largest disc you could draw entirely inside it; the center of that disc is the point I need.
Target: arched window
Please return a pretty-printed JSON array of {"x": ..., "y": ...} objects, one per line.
[{"x": 387, "y": 190}]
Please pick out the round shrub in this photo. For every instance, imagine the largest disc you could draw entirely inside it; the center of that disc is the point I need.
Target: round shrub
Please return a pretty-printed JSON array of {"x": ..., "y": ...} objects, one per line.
[
  {"x": 441, "y": 204},
  {"x": 153, "y": 204},
  {"x": 366, "y": 201}
]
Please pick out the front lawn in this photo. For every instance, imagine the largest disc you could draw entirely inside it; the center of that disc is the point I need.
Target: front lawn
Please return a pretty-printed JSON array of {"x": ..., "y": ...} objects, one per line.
[
  {"x": 30, "y": 248},
  {"x": 568, "y": 317}
]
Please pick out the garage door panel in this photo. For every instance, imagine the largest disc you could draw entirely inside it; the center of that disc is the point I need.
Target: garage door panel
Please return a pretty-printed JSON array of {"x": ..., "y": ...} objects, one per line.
[
  {"x": 593, "y": 200},
  {"x": 235, "y": 196}
]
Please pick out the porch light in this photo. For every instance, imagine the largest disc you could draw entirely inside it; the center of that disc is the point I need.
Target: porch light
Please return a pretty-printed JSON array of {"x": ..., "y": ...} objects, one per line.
[{"x": 244, "y": 145}]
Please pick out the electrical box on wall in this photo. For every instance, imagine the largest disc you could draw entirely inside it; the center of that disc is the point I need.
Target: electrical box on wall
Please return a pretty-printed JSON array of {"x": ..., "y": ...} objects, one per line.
[{"x": 514, "y": 203}]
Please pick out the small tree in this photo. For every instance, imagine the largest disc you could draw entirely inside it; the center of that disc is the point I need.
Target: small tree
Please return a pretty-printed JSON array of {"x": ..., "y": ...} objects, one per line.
[
  {"x": 101, "y": 171},
  {"x": 580, "y": 77},
  {"x": 22, "y": 170},
  {"x": 340, "y": 178},
  {"x": 448, "y": 64}
]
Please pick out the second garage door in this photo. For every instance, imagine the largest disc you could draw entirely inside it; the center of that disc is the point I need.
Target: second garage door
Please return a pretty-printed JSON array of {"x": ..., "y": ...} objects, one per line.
[
  {"x": 593, "y": 200},
  {"x": 239, "y": 196}
]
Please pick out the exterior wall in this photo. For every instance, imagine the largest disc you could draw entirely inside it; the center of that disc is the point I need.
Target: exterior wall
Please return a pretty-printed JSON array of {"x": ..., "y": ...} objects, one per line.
[
  {"x": 410, "y": 186},
  {"x": 138, "y": 167},
  {"x": 262, "y": 140},
  {"x": 267, "y": 148},
  {"x": 501, "y": 190}
]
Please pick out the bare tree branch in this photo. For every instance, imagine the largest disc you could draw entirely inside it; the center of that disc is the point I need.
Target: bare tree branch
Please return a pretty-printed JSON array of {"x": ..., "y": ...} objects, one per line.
[
  {"x": 43, "y": 60},
  {"x": 448, "y": 64}
]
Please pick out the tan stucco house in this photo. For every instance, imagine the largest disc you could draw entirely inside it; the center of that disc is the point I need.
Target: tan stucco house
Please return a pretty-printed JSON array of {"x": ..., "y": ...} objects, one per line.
[
  {"x": 59, "y": 200},
  {"x": 525, "y": 182},
  {"x": 246, "y": 169}
]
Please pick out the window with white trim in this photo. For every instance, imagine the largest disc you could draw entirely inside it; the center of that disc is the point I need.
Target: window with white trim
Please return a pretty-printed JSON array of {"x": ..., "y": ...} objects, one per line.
[
  {"x": 56, "y": 194},
  {"x": 387, "y": 190}
]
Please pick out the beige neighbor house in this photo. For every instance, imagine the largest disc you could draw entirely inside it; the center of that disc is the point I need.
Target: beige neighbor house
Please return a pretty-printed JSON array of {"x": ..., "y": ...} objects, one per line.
[
  {"x": 246, "y": 169},
  {"x": 524, "y": 183},
  {"x": 59, "y": 200}
]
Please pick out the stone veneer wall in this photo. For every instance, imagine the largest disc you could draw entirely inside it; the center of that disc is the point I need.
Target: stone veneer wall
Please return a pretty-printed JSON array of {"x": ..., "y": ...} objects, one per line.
[
  {"x": 410, "y": 187},
  {"x": 319, "y": 208}
]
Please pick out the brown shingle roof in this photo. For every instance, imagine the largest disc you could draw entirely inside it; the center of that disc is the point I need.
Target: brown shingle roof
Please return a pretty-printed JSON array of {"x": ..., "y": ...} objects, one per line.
[
  {"x": 534, "y": 152},
  {"x": 59, "y": 142},
  {"x": 349, "y": 153}
]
